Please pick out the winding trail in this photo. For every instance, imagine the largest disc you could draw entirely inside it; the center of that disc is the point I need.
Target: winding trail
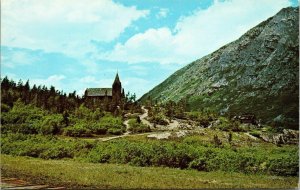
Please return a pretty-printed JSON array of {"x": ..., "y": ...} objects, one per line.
[
  {"x": 128, "y": 133},
  {"x": 143, "y": 116},
  {"x": 174, "y": 124}
]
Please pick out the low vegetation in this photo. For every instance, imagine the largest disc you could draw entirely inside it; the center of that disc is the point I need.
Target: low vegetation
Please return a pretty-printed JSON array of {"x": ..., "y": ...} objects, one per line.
[
  {"x": 74, "y": 174},
  {"x": 84, "y": 122},
  {"x": 189, "y": 153},
  {"x": 136, "y": 126}
]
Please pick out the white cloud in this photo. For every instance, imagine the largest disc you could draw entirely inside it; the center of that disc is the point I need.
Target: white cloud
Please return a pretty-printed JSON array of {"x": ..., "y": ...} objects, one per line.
[
  {"x": 53, "y": 80},
  {"x": 18, "y": 58},
  {"x": 197, "y": 34},
  {"x": 64, "y": 25},
  {"x": 131, "y": 84},
  {"x": 162, "y": 13},
  {"x": 150, "y": 46}
]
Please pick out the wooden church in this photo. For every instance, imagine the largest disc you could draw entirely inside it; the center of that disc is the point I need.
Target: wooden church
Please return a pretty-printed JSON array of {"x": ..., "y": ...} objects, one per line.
[{"x": 114, "y": 94}]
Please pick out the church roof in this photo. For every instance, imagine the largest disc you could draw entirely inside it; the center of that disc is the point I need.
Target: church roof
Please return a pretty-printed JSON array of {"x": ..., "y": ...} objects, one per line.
[
  {"x": 117, "y": 79},
  {"x": 99, "y": 92}
]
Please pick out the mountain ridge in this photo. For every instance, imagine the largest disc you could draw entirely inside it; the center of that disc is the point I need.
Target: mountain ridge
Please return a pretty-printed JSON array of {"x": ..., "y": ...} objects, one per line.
[{"x": 257, "y": 73}]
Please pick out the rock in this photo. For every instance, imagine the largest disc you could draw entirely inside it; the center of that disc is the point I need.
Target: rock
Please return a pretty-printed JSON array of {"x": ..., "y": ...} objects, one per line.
[
  {"x": 289, "y": 133},
  {"x": 181, "y": 133},
  {"x": 287, "y": 137},
  {"x": 279, "y": 139}
]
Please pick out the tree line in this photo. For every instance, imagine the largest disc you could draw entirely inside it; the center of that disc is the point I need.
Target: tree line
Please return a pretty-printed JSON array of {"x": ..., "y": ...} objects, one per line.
[{"x": 51, "y": 99}]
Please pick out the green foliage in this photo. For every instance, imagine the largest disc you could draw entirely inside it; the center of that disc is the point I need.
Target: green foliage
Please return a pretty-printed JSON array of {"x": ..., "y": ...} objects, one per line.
[
  {"x": 78, "y": 130},
  {"x": 138, "y": 127},
  {"x": 115, "y": 131},
  {"x": 217, "y": 141},
  {"x": 22, "y": 118},
  {"x": 283, "y": 165},
  {"x": 204, "y": 119},
  {"x": 190, "y": 153},
  {"x": 84, "y": 113},
  {"x": 109, "y": 124},
  {"x": 5, "y": 108},
  {"x": 47, "y": 147},
  {"x": 226, "y": 124},
  {"x": 51, "y": 124},
  {"x": 255, "y": 133},
  {"x": 159, "y": 119}
]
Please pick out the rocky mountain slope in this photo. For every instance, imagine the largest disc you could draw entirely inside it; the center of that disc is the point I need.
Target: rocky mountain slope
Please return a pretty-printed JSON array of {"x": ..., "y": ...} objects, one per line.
[{"x": 258, "y": 73}]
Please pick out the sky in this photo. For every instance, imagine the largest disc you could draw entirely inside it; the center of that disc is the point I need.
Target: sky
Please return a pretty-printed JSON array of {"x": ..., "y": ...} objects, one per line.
[{"x": 76, "y": 44}]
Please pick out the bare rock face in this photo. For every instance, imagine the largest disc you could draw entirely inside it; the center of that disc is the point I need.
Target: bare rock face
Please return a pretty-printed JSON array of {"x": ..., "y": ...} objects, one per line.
[{"x": 258, "y": 74}]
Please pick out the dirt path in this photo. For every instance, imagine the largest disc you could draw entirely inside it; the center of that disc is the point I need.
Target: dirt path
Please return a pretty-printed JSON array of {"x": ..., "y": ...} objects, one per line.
[
  {"x": 128, "y": 133},
  {"x": 14, "y": 183},
  {"x": 173, "y": 125},
  {"x": 143, "y": 116}
]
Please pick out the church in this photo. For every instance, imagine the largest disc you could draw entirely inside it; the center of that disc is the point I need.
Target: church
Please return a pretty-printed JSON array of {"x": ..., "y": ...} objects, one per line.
[{"x": 114, "y": 94}]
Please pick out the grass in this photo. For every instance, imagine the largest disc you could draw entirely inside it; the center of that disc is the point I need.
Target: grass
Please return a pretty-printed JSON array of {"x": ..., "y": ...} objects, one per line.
[{"x": 75, "y": 174}]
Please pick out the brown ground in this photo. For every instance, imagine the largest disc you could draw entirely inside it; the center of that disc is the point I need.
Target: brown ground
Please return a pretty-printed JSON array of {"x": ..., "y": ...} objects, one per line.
[{"x": 14, "y": 183}]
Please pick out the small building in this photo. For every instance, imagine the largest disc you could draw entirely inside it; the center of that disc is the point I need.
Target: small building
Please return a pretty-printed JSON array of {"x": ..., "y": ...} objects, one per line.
[{"x": 115, "y": 94}]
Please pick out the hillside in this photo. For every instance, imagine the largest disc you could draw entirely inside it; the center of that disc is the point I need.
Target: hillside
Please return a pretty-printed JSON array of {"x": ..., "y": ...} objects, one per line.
[{"x": 258, "y": 73}]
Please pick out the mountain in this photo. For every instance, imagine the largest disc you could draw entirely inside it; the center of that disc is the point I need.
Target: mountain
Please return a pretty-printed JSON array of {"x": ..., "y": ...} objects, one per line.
[{"x": 258, "y": 74}]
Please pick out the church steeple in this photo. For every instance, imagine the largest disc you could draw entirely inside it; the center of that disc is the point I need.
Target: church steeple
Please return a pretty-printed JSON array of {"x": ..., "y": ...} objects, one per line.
[
  {"x": 117, "y": 89},
  {"x": 117, "y": 79}
]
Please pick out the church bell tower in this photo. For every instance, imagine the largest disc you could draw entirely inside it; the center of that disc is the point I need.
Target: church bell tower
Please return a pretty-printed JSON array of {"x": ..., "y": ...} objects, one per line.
[{"x": 117, "y": 89}]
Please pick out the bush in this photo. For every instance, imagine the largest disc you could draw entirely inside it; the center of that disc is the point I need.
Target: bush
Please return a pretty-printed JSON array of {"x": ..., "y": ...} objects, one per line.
[
  {"x": 284, "y": 165},
  {"x": 4, "y": 108},
  {"x": 203, "y": 119},
  {"x": 78, "y": 130},
  {"x": 255, "y": 133},
  {"x": 137, "y": 127},
  {"x": 51, "y": 124},
  {"x": 22, "y": 118},
  {"x": 159, "y": 119},
  {"x": 187, "y": 154},
  {"x": 98, "y": 128},
  {"x": 226, "y": 124},
  {"x": 47, "y": 147},
  {"x": 115, "y": 131}
]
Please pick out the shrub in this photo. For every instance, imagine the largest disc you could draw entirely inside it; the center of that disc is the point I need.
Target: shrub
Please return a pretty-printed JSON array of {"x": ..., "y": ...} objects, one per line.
[
  {"x": 84, "y": 113},
  {"x": 22, "y": 118},
  {"x": 226, "y": 124},
  {"x": 283, "y": 165},
  {"x": 159, "y": 119},
  {"x": 136, "y": 127},
  {"x": 51, "y": 124},
  {"x": 217, "y": 141},
  {"x": 203, "y": 119},
  {"x": 47, "y": 147},
  {"x": 115, "y": 131},
  {"x": 187, "y": 154},
  {"x": 111, "y": 122},
  {"x": 199, "y": 164},
  {"x": 78, "y": 130},
  {"x": 255, "y": 133},
  {"x": 4, "y": 107},
  {"x": 98, "y": 128}
]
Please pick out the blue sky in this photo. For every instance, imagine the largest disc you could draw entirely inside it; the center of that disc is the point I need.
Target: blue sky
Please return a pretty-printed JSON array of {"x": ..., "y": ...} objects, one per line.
[{"x": 75, "y": 44}]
